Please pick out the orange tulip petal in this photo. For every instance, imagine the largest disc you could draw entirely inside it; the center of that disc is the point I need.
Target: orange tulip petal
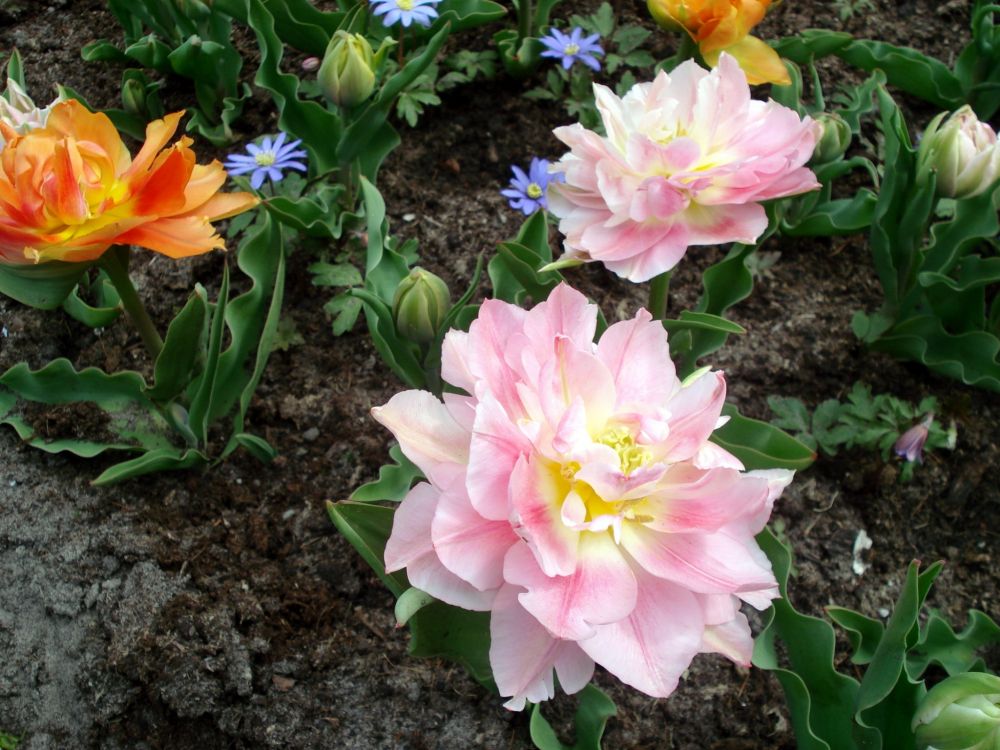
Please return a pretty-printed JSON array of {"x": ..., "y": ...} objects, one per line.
[
  {"x": 206, "y": 179},
  {"x": 176, "y": 237},
  {"x": 158, "y": 133},
  {"x": 70, "y": 118},
  {"x": 61, "y": 189},
  {"x": 757, "y": 59},
  {"x": 224, "y": 205},
  {"x": 162, "y": 194}
]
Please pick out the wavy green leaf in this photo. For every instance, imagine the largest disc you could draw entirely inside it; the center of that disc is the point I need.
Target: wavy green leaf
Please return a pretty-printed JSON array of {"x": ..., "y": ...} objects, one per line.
[
  {"x": 394, "y": 479},
  {"x": 760, "y": 445},
  {"x": 592, "y": 714},
  {"x": 367, "y": 527}
]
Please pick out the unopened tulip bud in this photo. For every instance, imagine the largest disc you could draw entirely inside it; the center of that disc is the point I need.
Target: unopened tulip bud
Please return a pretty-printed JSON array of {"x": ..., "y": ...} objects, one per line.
[
  {"x": 310, "y": 64},
  {"x": 963, "y": 151},
  {"x": 420, "y": 305},
  {"x": 347, "y": 74},
  {"x": 960, "y": 713},
  {"x": 134, "y": 97},
  {"x": 835, "y": 138},
  {"x": 910, "y": 444}
]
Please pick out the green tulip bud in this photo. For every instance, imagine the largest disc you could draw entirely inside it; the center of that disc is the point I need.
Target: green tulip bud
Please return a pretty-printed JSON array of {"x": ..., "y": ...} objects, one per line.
[
  {"x": 960, "y": 713},
  {"x": 962, "y": 151},
  {"x": 834, "y": 140},
  {"x": 347, "y": 74},
  {"x": 134, "y": 97},
  {"x": 420, "y": 305}
]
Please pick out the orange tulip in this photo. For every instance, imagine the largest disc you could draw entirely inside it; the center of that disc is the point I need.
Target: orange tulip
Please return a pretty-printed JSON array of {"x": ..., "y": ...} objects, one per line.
[
  {"x": 70, "y": 190},
  {"x": 719, "y": 26}
]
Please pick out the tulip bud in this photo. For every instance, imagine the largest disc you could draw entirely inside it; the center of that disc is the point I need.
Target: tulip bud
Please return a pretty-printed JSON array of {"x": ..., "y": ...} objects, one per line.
[
  {"x": 420, "y": 305},
  {"x": 134, "y": 97},
  {"x": 835, "y": 138},
  {"x": 660, "y": 10},
  {"x": 347, "y": 74},
  {"x": 960, "y": 713},
  {"x": 963, "y": 151},
  {"x": 910, "y": 444}
]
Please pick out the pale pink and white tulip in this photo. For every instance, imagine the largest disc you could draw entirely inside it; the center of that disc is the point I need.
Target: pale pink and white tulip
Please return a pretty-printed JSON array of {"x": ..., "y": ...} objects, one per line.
[
  {"x": 687, "y": 159},
  {"x": 574, "y": 494}
]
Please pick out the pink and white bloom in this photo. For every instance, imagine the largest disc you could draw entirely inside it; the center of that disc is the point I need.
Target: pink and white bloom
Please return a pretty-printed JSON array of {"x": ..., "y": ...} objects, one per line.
[
  {"x": 19, "y": 111},
  {"x": 576, "y": 496},
  {"x": 686, "y": 161}
]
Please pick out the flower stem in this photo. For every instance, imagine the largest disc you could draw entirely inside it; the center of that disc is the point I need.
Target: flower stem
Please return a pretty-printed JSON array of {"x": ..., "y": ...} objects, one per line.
[
  {"x": 115, "y": 265},
  {"x": 659, "y": 295},
  {"x": 525, "y": 20},
  {"x": 688, "y": 49}
]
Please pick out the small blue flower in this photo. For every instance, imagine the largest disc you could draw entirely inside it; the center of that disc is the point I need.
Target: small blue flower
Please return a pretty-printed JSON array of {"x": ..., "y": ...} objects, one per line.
[
  {"x": 527, "y": 191},
  {"x": 267, "y": 160},
  {"x": 405, "y": 11},
  {"x": 573, "y": 47}
]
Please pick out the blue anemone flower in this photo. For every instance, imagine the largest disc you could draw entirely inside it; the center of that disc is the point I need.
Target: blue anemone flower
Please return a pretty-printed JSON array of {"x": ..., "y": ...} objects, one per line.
[
  {"x": 572, "y": 47},
  {"x": 267, "y": 160},
  {"x": 405, "y": 11},
  {"x": 527, "y": 191}
]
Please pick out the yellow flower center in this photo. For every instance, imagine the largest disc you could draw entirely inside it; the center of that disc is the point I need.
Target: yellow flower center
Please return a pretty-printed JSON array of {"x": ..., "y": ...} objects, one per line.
[
  {"x": 264, "y": 158},
  {"x": 630, "y": 455},
  {"x": 571, "y": 49},
  {"x": 404, "y": 4},
  {"x": 534, "y": 191}
]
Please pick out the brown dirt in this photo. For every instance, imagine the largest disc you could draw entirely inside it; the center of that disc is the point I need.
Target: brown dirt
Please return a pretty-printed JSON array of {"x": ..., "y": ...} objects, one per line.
[{"x": 222, "y": 610}]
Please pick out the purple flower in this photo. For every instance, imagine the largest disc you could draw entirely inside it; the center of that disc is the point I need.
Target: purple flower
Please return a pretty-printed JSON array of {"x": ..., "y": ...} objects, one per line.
[
  {"x": 527, "y": 191},
  {"x": 910, "y": 444},
  {"x": 267, "y": 160},
  {"x": 405, "y": 11},
  {"x": 573, "y": 47}
]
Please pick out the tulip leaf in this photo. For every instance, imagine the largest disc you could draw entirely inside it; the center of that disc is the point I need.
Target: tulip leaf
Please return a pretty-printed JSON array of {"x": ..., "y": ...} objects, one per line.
[
  {"x": 460, "y": 635},
  {"x": 703, "y": 322},
  {"x": 760, "y": 445},
  {"x": 409, "y": 603},
  {"x": 864, "y": 633},
  {"x": 836, "y": 217},
  {"x": 42, "y": 285},
  {"x": 955, "y": 652},
  {"x": 204, "y": 387},
  {"x": 367, "y": 527},
  {"x": 175, "y": 367},
  {"x": 394, "y": 480},
  {"x": 317, "y": 215},
  {"x": 592, "y": 714},
  {"x": 468, "y": 14},
  {"x": 161, "y": 459},
  {"x": 104, "y": 312},
  {"x": 59, "y": 383},
  {"x": 256, "y": 446}
]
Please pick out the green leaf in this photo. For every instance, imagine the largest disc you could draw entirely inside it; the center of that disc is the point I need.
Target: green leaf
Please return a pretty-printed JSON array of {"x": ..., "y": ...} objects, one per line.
[
  {"x": 591, "y": 717},
  {"x": 703, "y": 322},
  {"x": 256, "y": 446},
  {"x": 791, "y": 413},
  {"x": 204, "y": 394},
  {"x": 161, "y": 459},
  {"x": 367, "y": 527},
  {"x": 760, "y": 445},
  {"x": 183, "y": 348},
  {"x": 820, "y": 699},
  {"x": 955, "y": 652},
  {"x": 339, "y": 274},
  {"x": 864, "y": 633},
  {"x": 59, "y": 383},
  {"x": 42, "y": 285},
  {"x": 907, "y": 69},
  {"x": 394, "y": 479},
  {"x": 345, "y": 309},
  {"x": 409, "y": 603},
  {"x": 460, "y": 635}
]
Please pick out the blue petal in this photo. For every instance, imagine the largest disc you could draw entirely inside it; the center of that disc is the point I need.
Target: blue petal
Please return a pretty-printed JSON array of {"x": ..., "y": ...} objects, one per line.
[
  {"x": 591, "y": 62},
  {"x": 274, "y": 174},
  {"x": 253, "y": 148},
  {"x": 258, "y": 178},
  {"x": 291, "y": 165}
]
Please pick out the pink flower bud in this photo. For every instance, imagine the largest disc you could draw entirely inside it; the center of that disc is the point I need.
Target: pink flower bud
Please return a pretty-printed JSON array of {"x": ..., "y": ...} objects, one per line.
[{"x": 910, "y": 444}]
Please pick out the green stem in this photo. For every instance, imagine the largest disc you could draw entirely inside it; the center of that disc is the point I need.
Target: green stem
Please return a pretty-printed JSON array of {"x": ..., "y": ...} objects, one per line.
[
  {"x": 659, "y": 294},
  {"x": 525, "y": 20},
  {"x": 115, "y": 265},
  {"x": 688, "y": 50}
]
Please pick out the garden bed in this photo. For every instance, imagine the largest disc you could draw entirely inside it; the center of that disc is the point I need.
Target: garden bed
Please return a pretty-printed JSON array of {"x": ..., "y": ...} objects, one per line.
[{"x": 222, "y": 610}]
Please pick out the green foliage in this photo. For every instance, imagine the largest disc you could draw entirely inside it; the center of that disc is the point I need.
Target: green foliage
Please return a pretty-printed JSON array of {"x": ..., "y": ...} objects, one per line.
[
  {"x": 197, "y": 380},
  {"x": 458, "y": 69},
  {"x": 835, "y": 711},
  {"x": 190, "y": 39},
  {"x": 934, "y": 259},
  {"x": 592, "y": 714},
  {"x": 864, "y": 420},
  {"x": 847, "y": 9},
  {"x": 9, "y": 741}
]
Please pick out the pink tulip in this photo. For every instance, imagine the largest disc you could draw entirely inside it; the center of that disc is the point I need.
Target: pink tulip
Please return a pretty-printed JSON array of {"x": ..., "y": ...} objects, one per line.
[
  {"x": 686, "y": 161},
  {"x": 575, "y": 495}
]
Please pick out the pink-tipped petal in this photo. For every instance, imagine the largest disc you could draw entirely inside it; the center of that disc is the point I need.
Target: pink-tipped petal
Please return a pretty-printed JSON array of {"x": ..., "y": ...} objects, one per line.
[
  {"x": 638, "y": 357},
  {"x": 537, "y": 492},
  {"x": 470, "y": 546}
]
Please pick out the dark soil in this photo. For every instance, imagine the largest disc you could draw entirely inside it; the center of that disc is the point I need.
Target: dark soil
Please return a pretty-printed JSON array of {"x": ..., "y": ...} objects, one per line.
[{"x": 195, "y": 611}]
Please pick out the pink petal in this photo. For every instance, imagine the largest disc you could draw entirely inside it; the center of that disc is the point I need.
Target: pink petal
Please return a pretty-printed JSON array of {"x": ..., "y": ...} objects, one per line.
[
  {"x": 638, "y": 357},
  {"x": 652, "y": 647},
  {"x": 706, "y": 563},
  {"x": 455, "y": 361},
  {"x": 565, "y": 313},
  {"x": 427, "y": 433},
  {"x": 691, "y": 500},
  {"x": 695, "y": 409},
  {"x": 410, "y": 546},
  {"x": 536, "y": 496},
  {"x": 602, "y": 589},
  {"x": 470, "y": 546},
  {"x": 731, "y": 638},
  {"x": 494, "y": 449},
  {"x": 523, "y": 655}
]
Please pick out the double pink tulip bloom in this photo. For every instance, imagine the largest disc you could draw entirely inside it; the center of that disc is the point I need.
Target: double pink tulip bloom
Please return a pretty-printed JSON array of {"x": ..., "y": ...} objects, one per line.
[
  {"x": 686, "y": 161},
  {"x": 574, "y": 493}
]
